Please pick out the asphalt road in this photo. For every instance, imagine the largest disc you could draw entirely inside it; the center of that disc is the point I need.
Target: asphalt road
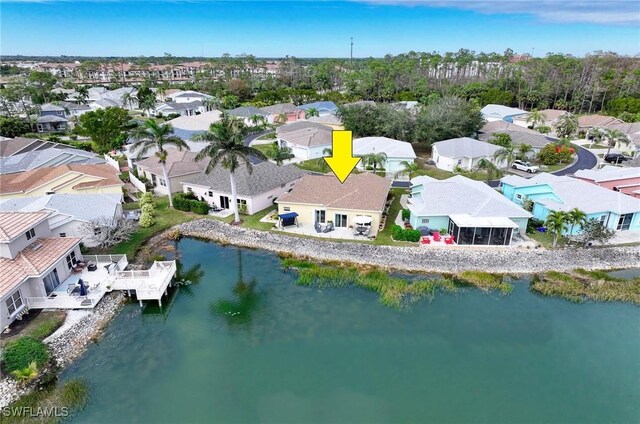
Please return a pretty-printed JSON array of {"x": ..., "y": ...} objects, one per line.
[{"x": 586, "y": 160}]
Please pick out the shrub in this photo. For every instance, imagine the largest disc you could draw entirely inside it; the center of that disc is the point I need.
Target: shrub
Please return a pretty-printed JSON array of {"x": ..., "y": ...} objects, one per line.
[
  {"x": 412, "y": 235},
  {"x": 397, "y": 232},
  {"x": 19, "y": 354},
  {"x": 181, "y": 203},
  {"x": 406, "y": 214},
  {"x": 146, "y": 198},
  {"x": 146, "y": 220},
  {"x": 74, "y": 393},
  {"x": 199, "y": 207},
  {"x": 148, "y": 208},
  {"x": 26, "y": 374}
]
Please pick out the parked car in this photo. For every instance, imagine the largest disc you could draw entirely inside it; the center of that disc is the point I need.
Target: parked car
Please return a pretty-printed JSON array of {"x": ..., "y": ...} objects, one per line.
[
  {"x": 525, "y": 166},
  {"x": 615, "y": 158}
]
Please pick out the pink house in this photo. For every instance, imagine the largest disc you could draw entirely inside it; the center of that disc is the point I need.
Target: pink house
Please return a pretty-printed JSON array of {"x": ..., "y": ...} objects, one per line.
[
  {"x": 283, "y": 109},
  {"x": 624, "y": 180}
]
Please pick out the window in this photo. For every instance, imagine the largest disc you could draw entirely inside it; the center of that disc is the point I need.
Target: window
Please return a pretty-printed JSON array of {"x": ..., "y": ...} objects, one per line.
[
  {"x": 425, "y": 220},
  {"x": 242, "y": 202},
  {"x": 63, "y": 234},
  {"x": 286, "y": 209},
  {"x": 97, "y": 231},
  {"x": 31, "y": 234},
  {"x": 210, "y": 193},
  {"x": 162, "y": 182},
  {"x": 340, "y": 220},
  {"x": 14, "y": 302},
  {"x": 71, "y": 259},
  {"x": 321, "y": 216},
  {"x": 459, "y": 161},
  {"x": 603, "y": 218}
]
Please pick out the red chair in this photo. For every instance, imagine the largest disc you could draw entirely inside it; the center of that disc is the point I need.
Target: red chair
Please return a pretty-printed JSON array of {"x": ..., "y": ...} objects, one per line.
[
  {"x": 448, "y": 240},
  {"x": 436, "y": 236},
  {"x": 425, "y": 240}
]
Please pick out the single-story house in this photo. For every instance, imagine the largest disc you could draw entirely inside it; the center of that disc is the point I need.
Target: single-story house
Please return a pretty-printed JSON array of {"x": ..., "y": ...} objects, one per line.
[
  {"x": 183, "y": 109},
  {"x": 307, "y": 140},
  {"x": 68, "y": 213},
  {"x": 320, "y": 199},
  {"x": 282, "y": 113},
  {"x": 188, "y": 96},
  {"x": 180, "y": 165},
  {"x": 501, "y": 113},
  {"x": 16, "y": 146},
  {"x": 589, "y": 121},
  {"x": 32, "y": 263},
  {"x": 329, "y": 120},
  {"x": 255, "y": 191},
  {"x": 51, "y": 123},
  {"x": 633, "y": 131},
  {"x": 471, "y": 211},
  {"x": 396, "y": 152},
  {"x": 71, "y": 178},
  {"x": 534, "y": 139},
  {"x": 246, "y": 113},
  {"x": 323, "y": 107},
  {"x": 186, "y": 126},
  {"x": 623, "y": 180},
  {"x": 550, "y": 116},
  {"x": 550, "y": 192},
  {"x": 465, "y": 153}
]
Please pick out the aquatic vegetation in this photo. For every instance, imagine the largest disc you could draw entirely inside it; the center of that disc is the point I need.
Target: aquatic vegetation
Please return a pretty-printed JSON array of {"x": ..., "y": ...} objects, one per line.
[
  {"x": 394, "y": 292},
  {"x": 71, "y": 395},
  {"x": 485, "y": 281},
  {"x": 18, "y": 354},
  {"x": 583, "y": 285}
]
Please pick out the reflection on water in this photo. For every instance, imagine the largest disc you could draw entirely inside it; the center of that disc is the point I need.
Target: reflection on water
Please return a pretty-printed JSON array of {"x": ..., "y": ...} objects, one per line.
[{"x": 244, "y": 343}]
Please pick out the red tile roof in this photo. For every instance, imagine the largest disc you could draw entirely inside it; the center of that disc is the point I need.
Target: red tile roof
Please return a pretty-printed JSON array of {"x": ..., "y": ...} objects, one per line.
[{"x": 14, "y": 224}]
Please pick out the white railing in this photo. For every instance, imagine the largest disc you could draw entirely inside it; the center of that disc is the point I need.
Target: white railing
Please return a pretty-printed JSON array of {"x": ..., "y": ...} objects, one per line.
[
  {"x": 61, "y": 302},
  {"x": 111, "y": 161},
  {"x": 106, "y": 259},
  {"x": 148, "y": 284},
  {"x": 137, "y": 183}
]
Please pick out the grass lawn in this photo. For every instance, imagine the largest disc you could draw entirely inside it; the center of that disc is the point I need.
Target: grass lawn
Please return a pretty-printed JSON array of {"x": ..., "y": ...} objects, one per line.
[
  {"x": 253, "y": 221},
  {"x": 553, "y": 168},
  {"x": 268, "y": 136},
  {"x": 41, "y": 326},
  {"x": 441, "y": 174},
  {"x": 165, "y": 218},
  {"x": 546, "y": 239},
  {"x": 264, "y": 148},
  {"x": 384, "y": 236},
  {"x": 314, "y": 165},
  {"x": 596, "y": 146}
]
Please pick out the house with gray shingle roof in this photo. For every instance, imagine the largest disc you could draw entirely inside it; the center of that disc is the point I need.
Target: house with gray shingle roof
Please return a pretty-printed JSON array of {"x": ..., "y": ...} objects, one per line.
[
  {"x": 48, "y": 157},
  {"x": 464, "y": 152},
  {"x": 180, "y": 165},
  {"x": 256, "y": 190},
  {"x": 307, "y": 140}
]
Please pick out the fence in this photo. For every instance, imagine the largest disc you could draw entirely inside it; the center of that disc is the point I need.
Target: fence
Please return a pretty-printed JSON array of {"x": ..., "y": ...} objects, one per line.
[
  {"x": 111, "y": 161},
  {"x": 137, "y": 183}
]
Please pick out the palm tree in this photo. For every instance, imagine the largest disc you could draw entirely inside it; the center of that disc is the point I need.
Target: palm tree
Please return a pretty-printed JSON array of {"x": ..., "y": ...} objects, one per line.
[
  {"x": 408, "y": 168},
  {"x": 311, "y": 112},
  {"x": 523, "y": 150},
  {"x": 148, "y": 104},
  {"x": 226, "y": 147},
  {"x": 281, "y": 118},
  {"x": 535, "y": 117},
  {"x": 556, "y": 223},
  {"x": 506, "y": 154},
  {"x": 154, "y": 135},
  {"x": 212, "y": 103},
  {"x": 279, "y": 154},
  {"x": 327, "y": 151},
  {"x": 128, "y": 99},
  {"x": 576, "y": 217},
  {"x": 82, "y": 94},
  {"x": 597, "y": 135},
  {"x": 257, "y": 120},
  {"x": 615, "y": 137},
  {"x": 492, "y": 170},
  {"x": 567, "y": 125},
  {"x": 374, "y": 159}
]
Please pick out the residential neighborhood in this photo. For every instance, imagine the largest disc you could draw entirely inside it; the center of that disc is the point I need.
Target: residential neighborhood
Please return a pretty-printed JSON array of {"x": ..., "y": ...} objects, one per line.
[{"x": 332, "y": 212}]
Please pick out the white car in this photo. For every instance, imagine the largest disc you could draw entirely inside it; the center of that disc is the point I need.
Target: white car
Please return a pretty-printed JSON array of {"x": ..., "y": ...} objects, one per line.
[{"x": 525, "y": 166}]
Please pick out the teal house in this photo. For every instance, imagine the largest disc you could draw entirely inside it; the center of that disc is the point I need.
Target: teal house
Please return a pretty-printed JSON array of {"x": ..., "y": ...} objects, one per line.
[
  {"x": 550, "y": 192},
  {"x": 471, "y": 211}
]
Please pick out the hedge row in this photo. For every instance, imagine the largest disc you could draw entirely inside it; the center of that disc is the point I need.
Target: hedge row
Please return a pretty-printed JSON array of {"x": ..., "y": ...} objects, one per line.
[
  {"x": 188, "y": 203},
  {"x": 400, "y": 234}
]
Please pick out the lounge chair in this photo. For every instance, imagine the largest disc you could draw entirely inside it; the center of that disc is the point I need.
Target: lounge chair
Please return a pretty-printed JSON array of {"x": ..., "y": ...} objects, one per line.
[
  {"x": 436, "y": 236},
  {"x": 328, "y": 228},
  {"x": 425, "y": 240}
]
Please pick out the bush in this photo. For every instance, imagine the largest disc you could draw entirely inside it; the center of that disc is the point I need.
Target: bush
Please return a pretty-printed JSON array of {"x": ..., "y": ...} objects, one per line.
[
  {"x": 148, "y": 208},
  {"x": 146, "y": 220},
  {"x": 199, "y": 207},
  {"x": 412, "y": 235},
  {"x": 400, "y": 234},
  {"x": 534, "y": 224},
  {"x": 406, "y": 214},
  {"x": 19, "y": 354},
  {"x": 146, "y": 198},
  {"x": 397, "y": 233},
  {"x": 181, "y": 202}
]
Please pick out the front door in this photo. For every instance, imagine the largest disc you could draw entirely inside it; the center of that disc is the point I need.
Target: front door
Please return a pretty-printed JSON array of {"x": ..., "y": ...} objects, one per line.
[
  {"x": 341, "y": 220},
  {"x": 51, "y": 281},
  {"x": 224, "y": 202}
]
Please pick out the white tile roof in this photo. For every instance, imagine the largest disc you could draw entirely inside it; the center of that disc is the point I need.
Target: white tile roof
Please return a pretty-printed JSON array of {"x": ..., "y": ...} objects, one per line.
[
  {"x": 392, "y": 148},
  {"x": 72, "y": 205},
  {"x": 500, "y": 111},
  {"x": 465, "y": 147},
  {"x": 608, "y": 173},
  {"x": 461, "y": 195}
]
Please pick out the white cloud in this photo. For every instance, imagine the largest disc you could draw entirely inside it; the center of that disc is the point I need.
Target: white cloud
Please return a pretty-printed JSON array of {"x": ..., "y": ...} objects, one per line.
[{"x": 616, "y": 12}]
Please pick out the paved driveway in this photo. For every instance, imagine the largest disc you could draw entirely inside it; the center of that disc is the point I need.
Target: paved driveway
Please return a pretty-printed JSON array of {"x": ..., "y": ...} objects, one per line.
[{"x": 586, "y": 160}]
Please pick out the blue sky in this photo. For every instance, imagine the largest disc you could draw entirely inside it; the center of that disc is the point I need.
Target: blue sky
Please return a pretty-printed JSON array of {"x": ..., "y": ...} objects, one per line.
[{"x": 316, "y": 28}]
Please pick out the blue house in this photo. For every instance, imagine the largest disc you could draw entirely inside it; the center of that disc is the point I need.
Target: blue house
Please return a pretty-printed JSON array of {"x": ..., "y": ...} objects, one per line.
[
  {"x": 471, "y": 211},
  {"x": 549, "y": 192},
  {"x": 324, "y": 108}
]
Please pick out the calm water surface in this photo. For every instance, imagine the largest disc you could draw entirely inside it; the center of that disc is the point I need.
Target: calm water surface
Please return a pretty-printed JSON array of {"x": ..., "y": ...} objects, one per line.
[{"x": 246, "y": 344}]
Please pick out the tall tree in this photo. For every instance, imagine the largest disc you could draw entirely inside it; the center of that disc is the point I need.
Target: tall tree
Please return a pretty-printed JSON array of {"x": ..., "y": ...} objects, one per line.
[
  {"x": 506, "y": 154},
  {"x": 567, "y": 125},
  {"x": 159, "y": 136},
  {"x": 556, "y": 224},
  {"x": 576, "y": 217},
  {"x": 226, "y": 148},
  {"x": 105, "y": 127},
  {"x": 535, "y": 117}
]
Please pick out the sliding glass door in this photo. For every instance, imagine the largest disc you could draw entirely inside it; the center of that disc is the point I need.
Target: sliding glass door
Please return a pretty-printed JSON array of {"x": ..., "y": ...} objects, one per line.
[{"x": 51, "y": 281}]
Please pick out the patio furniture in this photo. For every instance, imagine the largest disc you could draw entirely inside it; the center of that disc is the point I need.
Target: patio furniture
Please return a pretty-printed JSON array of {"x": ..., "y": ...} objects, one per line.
[
  {"x": 329, "y": 227},
  {"x": 436, "y": 236},
  {"x": 71, "y": 287},
  {"x": 425, "y": 240},
  {"x": 542, "y": 229},
  {"x": 448, "y": 240},
  {"x": 92, "y": 267}
]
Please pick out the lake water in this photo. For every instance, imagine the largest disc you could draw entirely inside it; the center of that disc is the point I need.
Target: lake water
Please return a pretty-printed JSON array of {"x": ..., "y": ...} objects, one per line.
[{"x": 266, "y": 350}]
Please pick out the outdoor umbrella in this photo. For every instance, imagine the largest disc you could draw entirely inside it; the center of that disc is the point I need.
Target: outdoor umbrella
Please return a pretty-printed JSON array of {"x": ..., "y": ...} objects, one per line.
[
  {"x": 423, "y": 231},
  {"x": 83, "y": 289}
]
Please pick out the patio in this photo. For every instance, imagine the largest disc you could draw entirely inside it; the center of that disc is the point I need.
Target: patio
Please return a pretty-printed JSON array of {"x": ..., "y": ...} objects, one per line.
[{"x": 342, "y": 233}]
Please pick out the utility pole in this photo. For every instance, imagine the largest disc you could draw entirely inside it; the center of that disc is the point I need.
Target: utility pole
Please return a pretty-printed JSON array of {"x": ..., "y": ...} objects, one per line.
[{"x": 351, "y": 56}]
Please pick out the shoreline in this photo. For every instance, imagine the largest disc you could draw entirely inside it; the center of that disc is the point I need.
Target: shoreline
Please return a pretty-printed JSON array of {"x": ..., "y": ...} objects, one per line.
[{"x": 417, "y": 259}]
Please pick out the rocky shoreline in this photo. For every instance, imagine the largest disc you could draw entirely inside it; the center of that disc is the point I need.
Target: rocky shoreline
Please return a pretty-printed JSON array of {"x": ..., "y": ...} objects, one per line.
[
  {"x": 447, "y": 259},
  {"x": 70, "y": 341}
]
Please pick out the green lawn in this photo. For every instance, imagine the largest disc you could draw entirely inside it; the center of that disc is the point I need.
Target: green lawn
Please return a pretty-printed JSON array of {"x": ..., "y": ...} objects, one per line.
[
  {"x": 546, "y": 239},
  {"x": 441, "y": 174},
  {"x": 553, "y": 168},
  {"x": 384, "y": 236},
  {"x": 314, "y": 165},
  {"x": 253, "y": 221},
  {"x": 264, "y": 148},
  {"x": 165, "y": 218}
]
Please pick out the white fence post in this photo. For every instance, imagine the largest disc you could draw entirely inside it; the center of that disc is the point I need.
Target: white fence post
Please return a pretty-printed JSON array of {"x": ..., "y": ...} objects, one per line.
[
  {"x": 111, "y": 161},
  {"x": 137, "y": 183}
]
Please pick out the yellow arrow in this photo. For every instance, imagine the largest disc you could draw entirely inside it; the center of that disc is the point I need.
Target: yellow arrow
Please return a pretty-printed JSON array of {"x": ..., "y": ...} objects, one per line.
[{"x": 342, "y": 161}]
